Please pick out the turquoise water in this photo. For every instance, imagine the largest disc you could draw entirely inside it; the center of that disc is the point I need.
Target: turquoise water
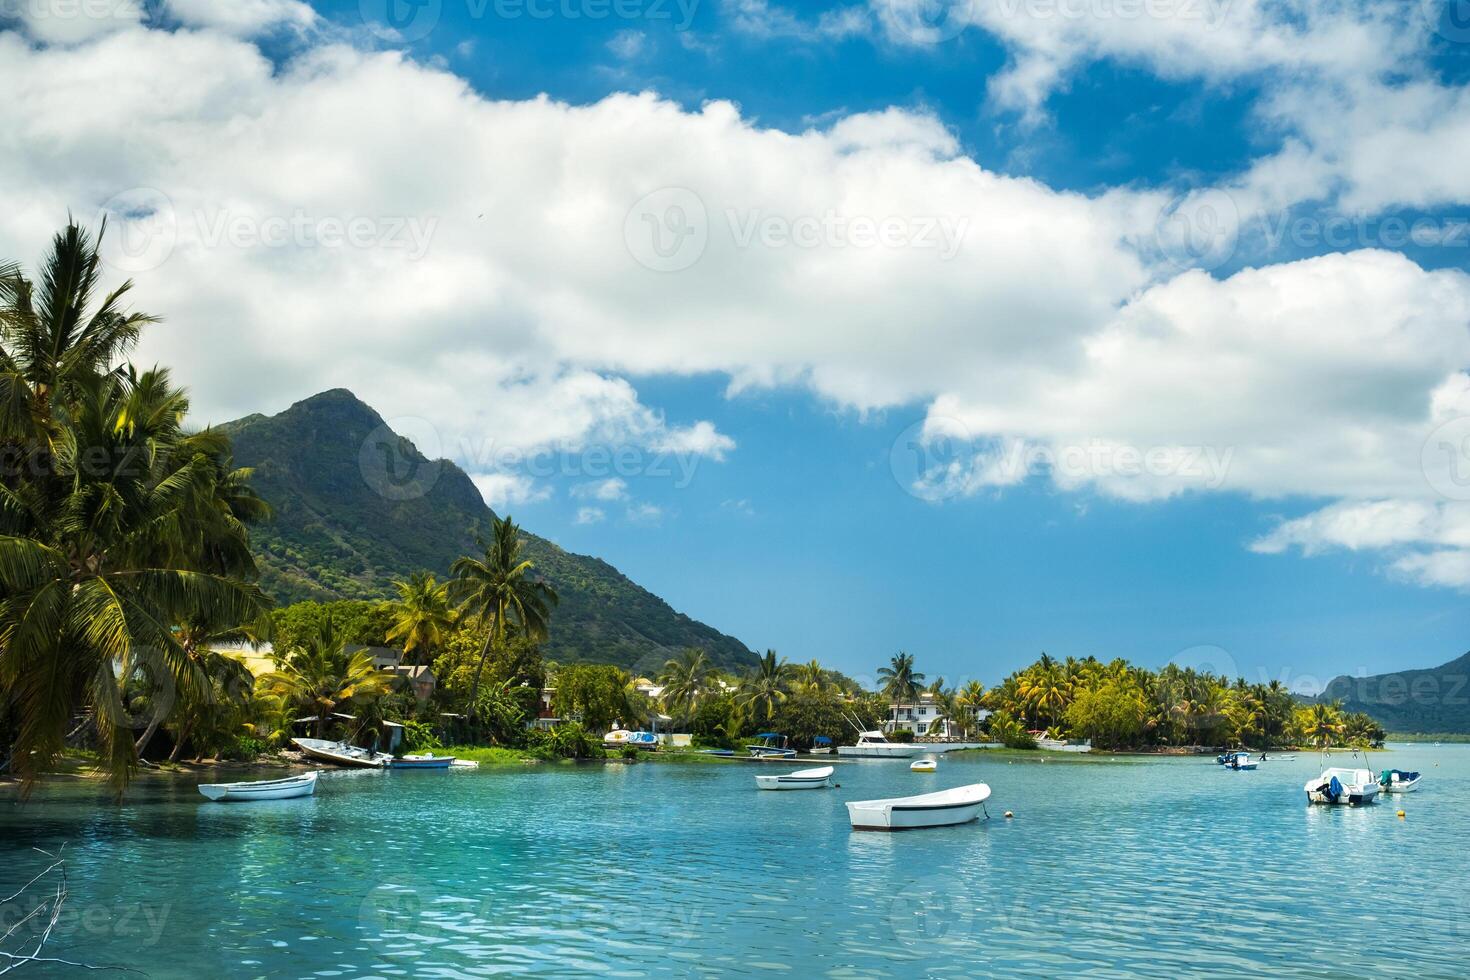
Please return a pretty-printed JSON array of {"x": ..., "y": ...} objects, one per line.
[{"x": 1143, "y": 867}]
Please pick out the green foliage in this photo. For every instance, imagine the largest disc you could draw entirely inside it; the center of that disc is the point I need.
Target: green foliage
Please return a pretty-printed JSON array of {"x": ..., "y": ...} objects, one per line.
[
  {"x": 904, "y": 735},
  {"x": 1006, "y": 730},
  {"x": 596, "y": 695},
  {"x": 806, "y": 714},
  {"x": 419, "y": 737},
  {"x": 568, "y": 740},
  {"x": 356, "y": 621}
]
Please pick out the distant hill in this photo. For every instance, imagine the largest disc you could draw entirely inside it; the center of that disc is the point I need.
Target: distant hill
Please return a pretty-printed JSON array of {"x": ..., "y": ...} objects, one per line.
[
  {"x": 358, "y": 507},
  {"x": 1433, "y": 700}
]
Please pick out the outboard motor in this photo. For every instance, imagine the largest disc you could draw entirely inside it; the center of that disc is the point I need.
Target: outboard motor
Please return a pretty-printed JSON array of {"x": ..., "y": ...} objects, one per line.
[{"x": 1334, "y": 790}]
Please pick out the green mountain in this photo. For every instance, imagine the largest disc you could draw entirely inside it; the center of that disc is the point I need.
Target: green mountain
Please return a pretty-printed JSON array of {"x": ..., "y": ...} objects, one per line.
[
  {"x": 1435, "y": 700},
  {"x": 358, "y": 507}
]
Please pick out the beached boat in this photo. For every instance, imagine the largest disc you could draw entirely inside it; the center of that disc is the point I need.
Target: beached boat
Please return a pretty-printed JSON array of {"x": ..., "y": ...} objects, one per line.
[
  {"x": 722, "y": 753},
  {"x": 342, "y": 753},
  {"x": 943, "y": 809},
  {"x": 875, "y": 745},
  {"x": 821, "y": 745},
  {"x": 426, "y": 761},
  {"x": 262, "y": 789},
  {"x": 1398, "y": 781},
  {"x": 1240, "y": 762},
  {"x": 801, "y": 779},
  {"x": 923, "y": 765},
  {"x": 642, "y": 740},
  {"x": 772, "y": 745},
  {"x": 1342, "y": 787},
  {"x": 616, "y": 738}
]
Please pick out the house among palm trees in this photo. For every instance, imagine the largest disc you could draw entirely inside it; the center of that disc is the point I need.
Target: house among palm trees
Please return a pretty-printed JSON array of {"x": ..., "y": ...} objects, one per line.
[
  {"x": 421, "y": 679},
  {"x": 926, "y": 717}
]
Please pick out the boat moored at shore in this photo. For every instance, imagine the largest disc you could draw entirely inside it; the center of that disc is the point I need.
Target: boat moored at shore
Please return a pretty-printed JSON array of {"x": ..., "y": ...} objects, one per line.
[
  {"x": 875, "y": 745},
  {"x": 772, "y": 745},
  {"x": 427, "y": 761},
  {"x": 342, "y": 753}
]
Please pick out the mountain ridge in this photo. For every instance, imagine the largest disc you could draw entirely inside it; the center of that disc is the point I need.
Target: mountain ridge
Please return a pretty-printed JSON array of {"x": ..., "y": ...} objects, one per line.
[
  {"x": 1426, "y": 700},
  {"x": 357, "y": 506}
]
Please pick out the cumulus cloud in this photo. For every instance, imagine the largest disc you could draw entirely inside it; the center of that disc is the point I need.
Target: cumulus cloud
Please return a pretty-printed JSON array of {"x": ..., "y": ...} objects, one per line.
[
  {"x": 502, "y": 490},
  {"x": 613, "y": 488},
  {"x": 590, "y": 515},
  {"x": 501, "y": 268}
]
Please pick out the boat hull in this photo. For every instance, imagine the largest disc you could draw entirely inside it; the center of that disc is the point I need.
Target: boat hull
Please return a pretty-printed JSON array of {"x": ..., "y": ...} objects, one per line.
[
  {"x": 342, "y": 755},
  {"x": 943, "y": 809},
  {"x": 897, "y": 750},
  {"x": 434, "y": 762},
  {"x": 805, "y": 779},
  {"x": 1402, "y": 787},
  {"x": 267, "y": 789}
]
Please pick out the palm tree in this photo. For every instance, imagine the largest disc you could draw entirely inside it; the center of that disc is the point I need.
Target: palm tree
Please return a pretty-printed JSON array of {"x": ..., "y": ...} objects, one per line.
[
  {"x": 422, "y": 618},
  {"x": 685, "y": 680},
  {"x": 764, "y": 687},
  {"x": 1323, "y": 724},
  {"x": 900, "y": 680},
  {"x": 322, "y": 677},
  {"x": 810, "y": 677},
  {"x": 498, "y": 590},
  {"x": 223, "y": 691}
]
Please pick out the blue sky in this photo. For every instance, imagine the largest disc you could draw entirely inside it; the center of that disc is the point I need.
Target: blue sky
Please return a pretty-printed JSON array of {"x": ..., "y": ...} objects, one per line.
[{"x": 852, "y": 414}]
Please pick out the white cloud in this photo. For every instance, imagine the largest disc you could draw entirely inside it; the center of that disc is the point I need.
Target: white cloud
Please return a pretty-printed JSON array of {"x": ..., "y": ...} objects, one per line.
[
  {"x": 628, "y": 44},
  {"x": 613, "y": 488},
  {"x": 645, "y": 513},
  {"x": 590, "y": 515},
  {"x": 501, "y": 291},
  {"x": 243, "y": 17},
  {"x": 502, "y": 490},
  {"x": 761, "y": 19}
]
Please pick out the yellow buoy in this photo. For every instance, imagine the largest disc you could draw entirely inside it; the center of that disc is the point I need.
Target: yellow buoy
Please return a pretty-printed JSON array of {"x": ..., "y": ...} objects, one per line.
[{"x": 1401, "y": 814}]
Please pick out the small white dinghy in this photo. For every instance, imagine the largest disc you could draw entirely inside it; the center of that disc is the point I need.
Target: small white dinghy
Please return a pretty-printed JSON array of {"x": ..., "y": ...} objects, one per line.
[
  {"x": 924, "y": 765},
  {"x": 263, "y": 789},
  {"x": 1342, "y": 787},
  {"x": 943, "y": 809},
  {"x": 1398, "y": 781},
  {"x": 342, "y": 753},
  {"x": 801, "y": 779}
]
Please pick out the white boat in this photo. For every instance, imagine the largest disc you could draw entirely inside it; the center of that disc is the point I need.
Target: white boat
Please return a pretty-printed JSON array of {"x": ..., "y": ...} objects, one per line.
[
  {"x": 1342, "y": 787},
  {"x": 874, "y": 745},
  {"x": 1060, "y": 744},
  {"x": 1240, "y": 762},
  {"x": 425, "y": 761},
  {"x": 616, "y": 738},
  {"x": 342, "y": 753},
  {"x": 923, "y": 765},
  {"x": 801, "y": 779},
  {"x": 1398, "y": 781},
  {"x": 943, "y": 809},
  {"x": 262, "y": 789}
]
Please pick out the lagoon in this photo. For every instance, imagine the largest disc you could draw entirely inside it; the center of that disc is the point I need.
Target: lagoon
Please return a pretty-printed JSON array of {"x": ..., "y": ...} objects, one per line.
[{"x": 1143, "y": 866}]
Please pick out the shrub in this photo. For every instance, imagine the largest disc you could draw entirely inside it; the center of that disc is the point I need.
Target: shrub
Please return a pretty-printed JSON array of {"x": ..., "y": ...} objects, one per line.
[
  {"x": 245, "y": 747},
  {"x": 901, "y": 735},
  {"x": 419, "y": 737}
]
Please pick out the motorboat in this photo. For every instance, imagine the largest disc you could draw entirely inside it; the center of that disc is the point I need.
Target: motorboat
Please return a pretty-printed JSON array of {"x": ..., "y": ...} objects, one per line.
[
  {"x": 262, "y": 789},
  {"x": 1398, "y": 781},
  {"x": 772, "y": 745},
  {"x": 1043, "y": 741},
  {"x": 875, "y": 745},
  {"x": 1240, "y": 762},
  {"x": 616, "y": 738},
  {"x": 1342, "y": 787},
  {"x": 424, "y": 761},
  {"x": 641, "y": 740},
  {"x": 721, "y": 753},
  {"x": 801, "y": 779},
  {"x": 943, "y": 809},
  {"x": 821, "y": 745},
  {"x": 924, "y": 765},
  {"x": 342, "y": 753}
]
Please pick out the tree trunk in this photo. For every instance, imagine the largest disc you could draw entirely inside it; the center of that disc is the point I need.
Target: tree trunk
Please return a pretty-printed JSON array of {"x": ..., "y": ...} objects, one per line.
[
  {"x": 475, "y": 686},
  {"x": 179, "y": 745},
  {"x": 148, "y": 734}
]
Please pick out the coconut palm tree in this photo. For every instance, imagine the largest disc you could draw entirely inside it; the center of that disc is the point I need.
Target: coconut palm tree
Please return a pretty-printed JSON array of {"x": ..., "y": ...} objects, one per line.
[
  {"x": 900, "y": 681},
  {"x": 323, "y": 677},
  {"x": 422, "y": 618},
  {"x": 1323, "y": 724},
  {"x": 686, "y": 679},
  {"x": 810, "y": 677},
  {"x": 498, "y": 590},
  {"x": 764, "y": 688}
]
